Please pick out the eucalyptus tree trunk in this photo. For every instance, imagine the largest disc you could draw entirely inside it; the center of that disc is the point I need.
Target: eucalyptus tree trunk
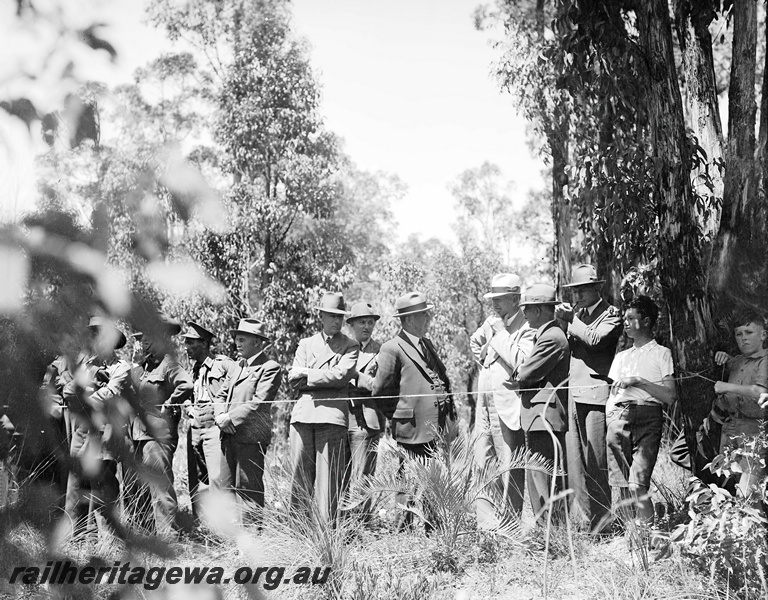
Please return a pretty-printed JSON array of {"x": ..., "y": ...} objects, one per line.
[
  {"x": 740, "y": 189},
  {"x": 557, "y": 137},
  {"x": 679, "y": 251},
  {"x": 701, "y": 106}
]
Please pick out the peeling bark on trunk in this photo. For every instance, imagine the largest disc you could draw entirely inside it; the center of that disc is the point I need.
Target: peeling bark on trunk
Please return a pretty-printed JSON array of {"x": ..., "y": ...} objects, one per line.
[
  {"x": 740, "y": 189},
  {"x": 702, "y": 114},
  {"x": 561, "y": 207},
  {"x": 679, "y": 256}
]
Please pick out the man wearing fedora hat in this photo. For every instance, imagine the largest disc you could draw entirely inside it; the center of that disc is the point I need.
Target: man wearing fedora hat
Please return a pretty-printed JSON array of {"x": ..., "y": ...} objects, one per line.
[
  {"x": 414, "y": 381},
  {"x": 541, "y": 379},
  {"x": 161, "y": 387},
  {"x": 366, "y": 422},
  {"x": 319, "y": 377},
  {"x": 500, "y": 345},
  {"x": 243, "y": 413},
  {"x": 593, "y": 327},
  {"x": 203, "y": 436},
  {"x": 93, "y": 395}
]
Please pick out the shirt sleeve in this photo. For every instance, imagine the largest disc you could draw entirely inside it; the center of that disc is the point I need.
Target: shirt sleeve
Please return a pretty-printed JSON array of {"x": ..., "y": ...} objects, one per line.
[{"x": 666, "y": 366}]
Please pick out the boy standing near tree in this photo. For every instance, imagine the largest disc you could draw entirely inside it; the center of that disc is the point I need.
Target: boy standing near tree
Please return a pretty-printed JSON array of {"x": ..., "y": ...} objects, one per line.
[{"x": 642, "y": 382}]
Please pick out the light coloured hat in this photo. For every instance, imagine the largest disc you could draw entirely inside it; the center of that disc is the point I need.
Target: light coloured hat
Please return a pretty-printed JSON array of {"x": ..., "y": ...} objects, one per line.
[
  {"x": 360, "y": 310},
  {"x": 504, "y": 284},
  {"x": 332, "y": 302},
  {"x": 198, "y": 332},
  {"x": 251, "y": 327},
  {"x": 105, "y": 325},
  {"x": 584, "y": 275},
  {"x": 411, "y": 303},
  {"x": 539, "y": 293}
]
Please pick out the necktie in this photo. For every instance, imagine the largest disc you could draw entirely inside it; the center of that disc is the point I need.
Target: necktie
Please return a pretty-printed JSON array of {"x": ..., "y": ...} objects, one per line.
[
  {"x": 243, "y": 363},
  {"x": 428, "y": 357}
]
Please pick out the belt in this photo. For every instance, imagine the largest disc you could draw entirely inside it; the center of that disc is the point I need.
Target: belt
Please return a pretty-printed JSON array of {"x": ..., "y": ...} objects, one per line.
[{"x": 631, "y": 403}]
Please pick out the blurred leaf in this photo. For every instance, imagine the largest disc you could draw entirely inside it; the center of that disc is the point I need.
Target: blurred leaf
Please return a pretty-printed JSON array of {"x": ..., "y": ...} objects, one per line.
[
  {"x": 21, "y": 108},
  {"x": 14, "y": 273},
  {"x": 185, "y": 279},
  {"x": 94, "y": 41}
]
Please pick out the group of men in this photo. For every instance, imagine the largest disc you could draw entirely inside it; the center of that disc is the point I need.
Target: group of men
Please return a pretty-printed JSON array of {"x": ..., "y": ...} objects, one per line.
[{"x": 549, "y": 382}]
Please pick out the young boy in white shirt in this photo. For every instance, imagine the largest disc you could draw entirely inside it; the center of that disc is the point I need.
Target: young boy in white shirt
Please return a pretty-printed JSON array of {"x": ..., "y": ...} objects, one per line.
[{"x": 642, "y": 382}]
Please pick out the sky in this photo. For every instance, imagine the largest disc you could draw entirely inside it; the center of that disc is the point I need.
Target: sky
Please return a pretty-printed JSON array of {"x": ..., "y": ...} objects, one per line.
[{"x": 405, "y": 83}]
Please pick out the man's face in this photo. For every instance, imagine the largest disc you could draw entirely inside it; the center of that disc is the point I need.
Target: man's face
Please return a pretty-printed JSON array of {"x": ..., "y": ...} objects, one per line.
[
  {"x": 418, "y": 324},
  {"x": 197, "y": 349},
  {"x": 506, "y": 305},
  {"x": 584, "y": 296},
  {"x": 331, "y": 323},
  {"x": 363, "y": 328},
  {"x": 248, "y": 345},
  {"x": 634, "y": 322},
  {"x": 750, "y": 338},
  {"x": 532, "y": 314}
]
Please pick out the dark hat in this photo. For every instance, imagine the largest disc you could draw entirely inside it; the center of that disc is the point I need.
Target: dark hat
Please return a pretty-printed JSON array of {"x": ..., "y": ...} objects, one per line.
[
  {"x": 108, "y": 328},
  {"x": 539, "y": 293},
  {"x": 332, "y": 302},
  {"x": 198, "y": 332},
  {"x": 584, "y": 275},
  {"x": 504, "y": 284},
  {"x": 171, "y": 326},
  {"x": 362, "y": 309},
  {"x": 411, "y": 303},
  {"x": 251, "y": 327}
]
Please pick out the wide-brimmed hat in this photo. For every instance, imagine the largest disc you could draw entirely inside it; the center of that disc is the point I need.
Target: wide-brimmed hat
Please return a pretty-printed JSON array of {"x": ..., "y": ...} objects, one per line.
[
  {"x": 411, "y": 303},
  {"x": 504, "y": 284},
  {"x": 251, "y": 327},
  {"x": 584, "y": 275},
  {"x": 332, "y": 302},
  {"x": 539, "y": 293},
  {"x": 104, "y": 325},
  {"x": 195, "y": 331},
  {"x": 360, "y": 310},
  {"x": 169, "y": 324}
]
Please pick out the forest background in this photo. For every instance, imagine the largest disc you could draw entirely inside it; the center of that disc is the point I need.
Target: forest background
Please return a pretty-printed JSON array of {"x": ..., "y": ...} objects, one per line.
[{"x": 221, "y": 194}]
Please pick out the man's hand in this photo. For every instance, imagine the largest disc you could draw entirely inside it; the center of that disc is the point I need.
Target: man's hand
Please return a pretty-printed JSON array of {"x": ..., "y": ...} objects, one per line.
[
  {"x": 763, "y": 400},
  {"x": 224, "y": 423},
  {"x": 626, "y": 382},
  {"x": 721, "y": 387},
  {"x": 498, "y": 325},
  {"x": 720, "y": 359},
  {"x": 564, "y": 312}
]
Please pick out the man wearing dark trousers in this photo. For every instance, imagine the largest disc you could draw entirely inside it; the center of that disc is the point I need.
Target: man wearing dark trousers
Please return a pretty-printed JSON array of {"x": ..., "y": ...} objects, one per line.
[
  {"x": 243, "y": 413},
  {"x": 544, "y": 401},
  {"x": 593, "y": 327},
  {"x": 203, "y": 436},
  {"x": 412, "y": 376}
]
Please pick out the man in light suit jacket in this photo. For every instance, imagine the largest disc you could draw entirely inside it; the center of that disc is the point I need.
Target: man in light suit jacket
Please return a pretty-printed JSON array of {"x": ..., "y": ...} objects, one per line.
[
  {"x": 500, "y": 345},
  {"x": 366, "y": 422},
  {"x": 414, "y": 380},
  {"x": 322, "y": 368},
  {"x": 540, "y": 378},
  {"x": 243, "y": 413},
  {"x": 594, "y": 328}
]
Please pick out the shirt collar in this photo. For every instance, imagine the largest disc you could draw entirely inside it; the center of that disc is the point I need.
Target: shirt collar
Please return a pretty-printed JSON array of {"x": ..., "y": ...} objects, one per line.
[
  {"x": 591, "y": 309},
  {"x": 541, "y": 329},
  {"x": 416, "y": 340},
  {"x": 518, "y": 317}
]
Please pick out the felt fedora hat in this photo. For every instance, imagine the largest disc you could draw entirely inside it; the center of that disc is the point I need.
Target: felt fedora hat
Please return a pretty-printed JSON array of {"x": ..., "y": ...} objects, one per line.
[
  {"x": 411, "y": 303},
  {"x": 361, "y": 309},
  {"x": 584, "y": 275},
  {"x": 196, "y": 331},
  {"x": 251, "y": 327},
  {"x": 539, "y": 293},
  {"x": 332, "y": 302},
  {"x": 106, "y": 327},
  {"x": 504, "y": 284}
]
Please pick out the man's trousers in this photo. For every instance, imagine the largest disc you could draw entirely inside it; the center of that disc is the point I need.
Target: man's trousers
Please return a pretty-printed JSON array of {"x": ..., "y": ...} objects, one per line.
[
  {"x": 320, "y": 460},
  {"x": 204, "y": 457},
  {"x": 242, "y": 473},
  {"x": 539, "y": 483}
]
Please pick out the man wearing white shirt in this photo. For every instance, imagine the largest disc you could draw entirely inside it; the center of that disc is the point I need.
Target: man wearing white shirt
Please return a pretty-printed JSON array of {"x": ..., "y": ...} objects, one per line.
[
  {"x": 500, "y": 345},
  {"x": 643, "y": 382}
]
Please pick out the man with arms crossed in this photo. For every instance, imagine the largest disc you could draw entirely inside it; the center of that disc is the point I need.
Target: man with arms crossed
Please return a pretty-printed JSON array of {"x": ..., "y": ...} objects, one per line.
[
  {"x": 642, "y": 383},
  {"x": 593, "y": 327},
  {"x": 322, "y": 368},
  {"x": 500, "y": 346}
]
